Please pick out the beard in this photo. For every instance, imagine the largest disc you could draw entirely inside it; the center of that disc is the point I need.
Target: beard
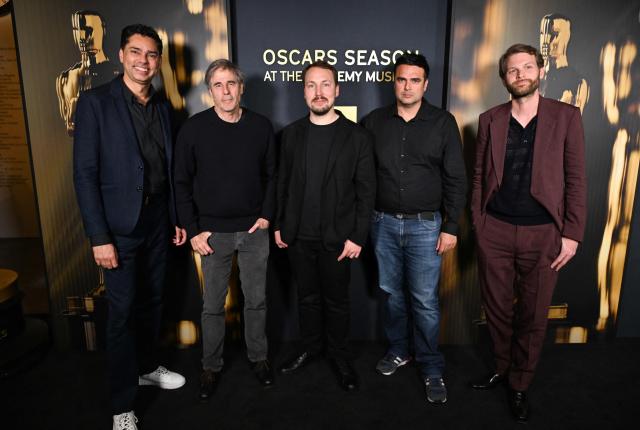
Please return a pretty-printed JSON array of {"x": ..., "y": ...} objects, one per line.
[
  {"x": 321, "y": 110},
  {"x": 519, "y": 92}
]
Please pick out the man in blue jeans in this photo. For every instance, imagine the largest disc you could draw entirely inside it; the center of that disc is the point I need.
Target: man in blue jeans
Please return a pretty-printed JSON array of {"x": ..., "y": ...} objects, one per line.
[{"x": 421, "y": 194}]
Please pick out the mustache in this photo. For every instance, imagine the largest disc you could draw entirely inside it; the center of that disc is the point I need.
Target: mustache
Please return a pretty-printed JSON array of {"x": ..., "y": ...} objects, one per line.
[{"x": 318, "y": 98}]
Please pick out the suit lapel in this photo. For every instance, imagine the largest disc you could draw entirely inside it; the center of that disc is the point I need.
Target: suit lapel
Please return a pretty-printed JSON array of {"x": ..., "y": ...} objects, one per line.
[
  {"x": 499, "y": 128},
  {"x": 123, "y": 111},
  {"x": 544, "y": 132},
  {"x": 336, "y": 146}
]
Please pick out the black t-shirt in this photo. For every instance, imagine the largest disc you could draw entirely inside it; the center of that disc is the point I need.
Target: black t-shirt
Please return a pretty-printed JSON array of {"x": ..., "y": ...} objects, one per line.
[{"x": 319, "y": 140}]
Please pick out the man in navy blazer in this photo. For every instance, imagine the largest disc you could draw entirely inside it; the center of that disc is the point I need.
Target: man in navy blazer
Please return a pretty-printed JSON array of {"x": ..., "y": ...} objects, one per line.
[
  {"x": 122, "y": 176},
  {"x": 528, "y": 206}
]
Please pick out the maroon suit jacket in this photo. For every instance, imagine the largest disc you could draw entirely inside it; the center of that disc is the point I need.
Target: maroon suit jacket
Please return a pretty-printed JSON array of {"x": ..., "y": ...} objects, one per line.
[{"x": 558, "y": 179}]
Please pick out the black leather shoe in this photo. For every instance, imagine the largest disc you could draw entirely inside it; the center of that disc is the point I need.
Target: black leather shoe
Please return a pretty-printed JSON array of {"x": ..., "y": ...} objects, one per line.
[
  {"x": 296, "y": 362},
  {"x": 263, "y": 372},
  {"x": 347, "y": 378},
  {"x": 208, "y": 381},
  {"x": 488, "y": 382},
  {"x": 519, "y": 405}
]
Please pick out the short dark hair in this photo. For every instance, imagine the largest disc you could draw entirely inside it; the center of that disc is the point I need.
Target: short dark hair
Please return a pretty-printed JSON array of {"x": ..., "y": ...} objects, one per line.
[
  {"x": 143, "y": 30},
  {"x": 518, "y": 48},
  {"x": 322, "y": 65},
  {"x": 411, "y": 59},
  {"x": 223, "y": 64}
]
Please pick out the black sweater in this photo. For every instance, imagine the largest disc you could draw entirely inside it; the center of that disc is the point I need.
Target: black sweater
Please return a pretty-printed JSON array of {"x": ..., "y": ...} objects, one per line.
[{"x": 224, "y": 173}]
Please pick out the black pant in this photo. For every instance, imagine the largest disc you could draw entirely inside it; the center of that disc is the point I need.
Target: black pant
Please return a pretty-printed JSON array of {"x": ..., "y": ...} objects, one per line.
[
  {"x": 134, "y": 294},
  {"x": 323, "y": 296}
]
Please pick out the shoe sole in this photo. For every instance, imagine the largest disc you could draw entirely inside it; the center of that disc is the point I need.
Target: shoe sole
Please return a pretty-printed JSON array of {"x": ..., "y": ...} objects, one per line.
[
  {"x": 163, "y": 385},
  {"x": 394, "y": 370},
  {"x": 433, "y": 402}
]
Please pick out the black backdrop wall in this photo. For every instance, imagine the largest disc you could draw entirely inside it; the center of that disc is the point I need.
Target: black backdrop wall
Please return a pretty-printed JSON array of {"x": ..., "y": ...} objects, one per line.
[{"x": 270, "y": 39}]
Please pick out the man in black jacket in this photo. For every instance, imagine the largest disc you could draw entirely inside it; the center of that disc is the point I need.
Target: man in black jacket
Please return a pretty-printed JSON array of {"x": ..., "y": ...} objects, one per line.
[
  {"x": 122, "y": 175},
  {"x": 225, "y": 195},
  {"x": 326, "y": 190}
]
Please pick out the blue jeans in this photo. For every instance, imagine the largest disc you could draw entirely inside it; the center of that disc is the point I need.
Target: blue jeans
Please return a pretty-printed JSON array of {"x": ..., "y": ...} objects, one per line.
[{"x": 407, "y": 257}]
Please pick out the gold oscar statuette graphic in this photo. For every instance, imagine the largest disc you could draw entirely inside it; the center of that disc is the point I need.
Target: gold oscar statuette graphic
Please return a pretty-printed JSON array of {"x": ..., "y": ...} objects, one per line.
[
  {"x": 561, "y": 81},
  {"x": 621, "y": 108},
  {"x": 94, "y": 67}
]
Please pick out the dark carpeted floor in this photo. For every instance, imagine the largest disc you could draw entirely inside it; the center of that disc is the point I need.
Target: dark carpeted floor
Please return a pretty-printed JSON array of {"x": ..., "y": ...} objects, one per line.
[{"x": 588, "y": 386}]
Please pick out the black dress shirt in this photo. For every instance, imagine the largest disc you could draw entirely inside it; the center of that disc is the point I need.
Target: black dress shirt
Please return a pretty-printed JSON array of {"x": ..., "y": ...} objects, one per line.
[
  {"x": 419, "y": 163},
  {"x": 146, "y": 122},
  {"x": 513, "y": 203}
]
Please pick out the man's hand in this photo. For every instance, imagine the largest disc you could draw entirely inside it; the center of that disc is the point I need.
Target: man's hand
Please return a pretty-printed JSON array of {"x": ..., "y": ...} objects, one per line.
[
  {"x": 106, "y": 256},
  {"x": 261, "y": 224},
  {"x": 567, "y": 251},
  {"x": 200, "y": 243},
  {"x": 181, "y": 236},
  {"x": 279, "y": 242},
  {"x": 446, "y": 242},
  {"x": 351, "y": 250}
]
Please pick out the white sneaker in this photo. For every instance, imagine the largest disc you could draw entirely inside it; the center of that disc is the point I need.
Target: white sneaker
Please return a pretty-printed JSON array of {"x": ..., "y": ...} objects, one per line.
[
  {"x": 126, "y": 421},
  {"x": 163, "y": 378}
]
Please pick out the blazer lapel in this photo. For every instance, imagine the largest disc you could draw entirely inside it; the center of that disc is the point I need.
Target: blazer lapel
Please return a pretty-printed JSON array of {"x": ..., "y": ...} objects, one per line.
[
  {"x": 336, "y": 146},
  {"x": 544, "y": 136},
  {"x": 123, "y": 111},
  {"x": 499, "y": 128}
]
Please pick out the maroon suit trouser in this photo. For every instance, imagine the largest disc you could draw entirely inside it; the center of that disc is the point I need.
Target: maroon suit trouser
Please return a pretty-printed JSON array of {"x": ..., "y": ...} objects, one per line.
[{"x": 517, "y": 284}]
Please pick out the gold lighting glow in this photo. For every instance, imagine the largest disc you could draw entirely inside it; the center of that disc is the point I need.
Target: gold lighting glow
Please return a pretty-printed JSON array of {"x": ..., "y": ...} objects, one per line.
[
  {"x": 187, "y": 333},
  {"x": 571, "y": 335},
  {"x": 215, "y": 18},
  {"x": 169, "y": 80},
  {"x": 194, "y": 6},
  {"x": 622, "y": 113}
]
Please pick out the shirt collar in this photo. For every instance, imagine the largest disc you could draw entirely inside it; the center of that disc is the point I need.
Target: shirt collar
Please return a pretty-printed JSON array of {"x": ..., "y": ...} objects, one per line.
[
  {"x": 422, "y": 114},
  {"x": 131, "y": 98}
]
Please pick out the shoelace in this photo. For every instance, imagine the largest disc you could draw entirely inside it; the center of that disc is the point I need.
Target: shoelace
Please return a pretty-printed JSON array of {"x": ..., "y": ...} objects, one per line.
[
  {"x": 436, "y": 381},
  {"x": 160, "y": 371},
  {"x": 124, "y": 422}
]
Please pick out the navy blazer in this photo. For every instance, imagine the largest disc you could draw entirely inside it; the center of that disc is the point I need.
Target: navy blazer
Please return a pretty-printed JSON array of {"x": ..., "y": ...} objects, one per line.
[{"x": 108, "y": 168}]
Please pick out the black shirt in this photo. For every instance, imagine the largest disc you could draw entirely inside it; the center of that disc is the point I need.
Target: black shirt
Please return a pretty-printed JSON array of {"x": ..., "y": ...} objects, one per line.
[
  {"x": 513, "y": 203},
  {"x": 419, "y": 163},
  {"x": 319, "y": 139},
  {"x": 146, "y": 122}
]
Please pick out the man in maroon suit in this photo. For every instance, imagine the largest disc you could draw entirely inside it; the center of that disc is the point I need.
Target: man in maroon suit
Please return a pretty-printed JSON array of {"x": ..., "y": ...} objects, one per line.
[{"x": 528, "y": 207}]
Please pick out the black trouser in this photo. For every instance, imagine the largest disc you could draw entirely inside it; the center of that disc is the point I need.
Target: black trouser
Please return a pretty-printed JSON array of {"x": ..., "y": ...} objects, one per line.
[
  {"x": 134, "y": 293},
  {"x": 323, "y": 296}
]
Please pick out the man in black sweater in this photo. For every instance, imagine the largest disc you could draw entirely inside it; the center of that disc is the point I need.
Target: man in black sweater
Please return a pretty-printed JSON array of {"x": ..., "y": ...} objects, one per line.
[
  {"x": 225, "y": 192},
  {"x": 326, "y": 188}
]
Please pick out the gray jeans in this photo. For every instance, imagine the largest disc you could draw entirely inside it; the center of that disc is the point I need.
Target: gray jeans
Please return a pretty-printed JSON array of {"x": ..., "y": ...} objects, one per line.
[{"x": 253, "y": 250}]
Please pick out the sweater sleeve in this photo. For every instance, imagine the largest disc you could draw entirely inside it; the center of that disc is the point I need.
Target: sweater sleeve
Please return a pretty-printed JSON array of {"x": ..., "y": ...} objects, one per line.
[
  {"x": 269, "y": 178},
  {"x": 184, "y": 173}
]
